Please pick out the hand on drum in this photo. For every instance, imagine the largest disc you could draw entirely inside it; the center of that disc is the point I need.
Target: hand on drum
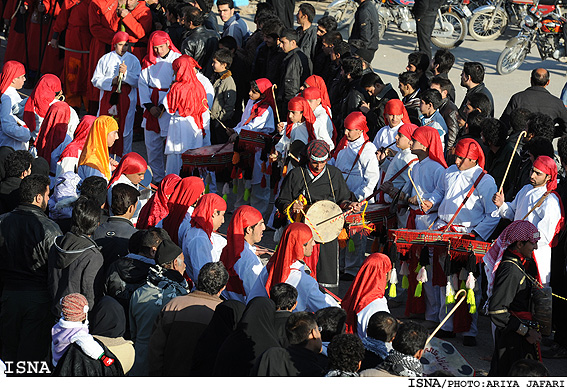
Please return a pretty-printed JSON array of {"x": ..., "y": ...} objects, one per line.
[
  {"x": 426, "y": 206},
  {"x": 533, "y": 336},
  {"x": 498, "y": 199}
]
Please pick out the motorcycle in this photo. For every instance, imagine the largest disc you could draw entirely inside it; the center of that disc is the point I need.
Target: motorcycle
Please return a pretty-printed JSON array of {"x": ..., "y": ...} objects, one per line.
[
  {"x": 546, "y": 31},
  {"x": 450, "y": 26},
  {"x": 489, "y": 21}
]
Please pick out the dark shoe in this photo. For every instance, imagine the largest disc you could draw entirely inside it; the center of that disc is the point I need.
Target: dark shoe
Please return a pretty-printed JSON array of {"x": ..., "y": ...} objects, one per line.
[
  {"x": 445, "y": 334},
  {"x": 469, "y": 341},
  {"x": 555, "y": 352},
  {"x": 347, "y": 277}
]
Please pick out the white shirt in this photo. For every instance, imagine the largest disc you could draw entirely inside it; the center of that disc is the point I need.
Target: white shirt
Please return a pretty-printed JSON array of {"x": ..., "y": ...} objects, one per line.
[
  {"x": 298, "y": 133},
  {"x": 363, "y": 316},
  {"x": 248, "y": 267},
  {"x": 13, "y": 132},
  {"x": 399, "y": 161},
  {"x": 426, "y": 175},
  {"x": 476, "y": 213},
  {"x": 365, "y": 174},
  {"x": 199, "y": 250},
  {"x": 386, "y": 136},
  {"x": 323, "y": 126}
]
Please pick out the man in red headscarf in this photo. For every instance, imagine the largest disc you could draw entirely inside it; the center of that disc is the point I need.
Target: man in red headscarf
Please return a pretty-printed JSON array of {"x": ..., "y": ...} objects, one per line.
[
  {"x": 13, "y": 130},
  {"x": 155, "y": 80},
  {"x": 355, "y": 156},
  {"x": 114, "y": 69},
  {"x": 539, "y": 204},
  {"x": 200, "y": 245},
  {"x": 240, "y": 255},
  {"x": 395, "y": 115},
  {"x": 464, "y": 198}
]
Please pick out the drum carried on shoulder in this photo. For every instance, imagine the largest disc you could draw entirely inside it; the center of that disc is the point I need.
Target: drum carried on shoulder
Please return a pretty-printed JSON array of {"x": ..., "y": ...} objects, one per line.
[{"x": 212, "y": 158}]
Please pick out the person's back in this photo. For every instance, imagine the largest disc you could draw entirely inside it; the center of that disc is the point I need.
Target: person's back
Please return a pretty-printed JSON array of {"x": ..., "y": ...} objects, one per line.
[
  {"x": 26, "y": 235},
  {"x": 17, "y": 165}
]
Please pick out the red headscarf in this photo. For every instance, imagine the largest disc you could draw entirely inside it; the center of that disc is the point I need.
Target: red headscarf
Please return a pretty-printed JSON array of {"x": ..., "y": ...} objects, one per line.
[
  {"x": 368, "y": 285},
  {"x": 407, "y": 130},
  {"x": 354, "y": 120},
  {"x": 157, "y": 38},
  {"x": 203, "y": 213},
  {"x": 10, "y": 71},
  {"x": 319, "y": 83},
  {"x": 53, "y": 129},
  {"x": 314, "y": 93},
  {"x": 243, "y": 217},
  {"x": 187, "y": 95},
  {"x": 299, "y": 103},
  {"x": 40, "y": 99},
  {"x": 262, "y": 105},
  {"x": 547, "y": 166},
  {"x": 186, "y": 193},
  {"x": 429, "y": 137},
  {"x": 469, "y": 148},
  {"x": 131, "y": 163},
  {"x": 396, "y": 107},
  {"x": 80, "y": 136},
  {"x": 290, "y": 249},
  {"x": 156, "y": 207},
  {"x": 120, "y": 36}
]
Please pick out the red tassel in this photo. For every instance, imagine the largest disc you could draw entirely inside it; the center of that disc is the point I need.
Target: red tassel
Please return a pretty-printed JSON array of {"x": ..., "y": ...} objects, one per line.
[
  {"x": 276, "y": 189},
  {"x": 269, "y": 169},
  {"x": 239, "y": 175},
  {"x": 263, "y": 182},
  {"x": 234, "y": 172},
  {"x": 263, "y": 167}
]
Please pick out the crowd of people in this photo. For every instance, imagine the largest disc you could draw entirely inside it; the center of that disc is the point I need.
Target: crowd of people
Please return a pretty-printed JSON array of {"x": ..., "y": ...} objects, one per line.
[{"x": 105, "y": 272}]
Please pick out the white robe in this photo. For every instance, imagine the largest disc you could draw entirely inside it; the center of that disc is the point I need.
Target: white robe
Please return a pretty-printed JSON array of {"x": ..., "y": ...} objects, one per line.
[
  {"x": 476, "y": 213},
  {"x": 323, "y": 126},
  {"x": 199, "y": 250},
  {"x": 298, "y": 133},
  {"x": 426, "y": 175},
  {"x": 545, "y": 218},
  {"x": 386, "y": 136},
  {"x": 13, "y": 132},
  {"x": 399, "y": 161},
  {"x": 248, "y": 267},
  {"x": 363, "y": 316},
  {"x": 105, "y": 71},
  {"x": 365, "y": 174}
]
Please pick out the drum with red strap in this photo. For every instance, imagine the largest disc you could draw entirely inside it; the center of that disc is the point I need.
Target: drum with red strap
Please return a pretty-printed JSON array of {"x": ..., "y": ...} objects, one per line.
[
  {"x": 213, "y": 157},
  {"x": 378, "y": 217}
]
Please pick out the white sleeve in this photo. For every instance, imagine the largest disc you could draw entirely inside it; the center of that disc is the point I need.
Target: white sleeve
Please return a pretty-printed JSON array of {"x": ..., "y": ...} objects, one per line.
[
  {"x": 101, "y": 77},
  {"x": 133, "y": 73},
  {"x": 144, "y": 91},
  {"x": 316, "y": 299},
  {"x": 369, "y": 180},
  {"x": 12, "y": 126}
]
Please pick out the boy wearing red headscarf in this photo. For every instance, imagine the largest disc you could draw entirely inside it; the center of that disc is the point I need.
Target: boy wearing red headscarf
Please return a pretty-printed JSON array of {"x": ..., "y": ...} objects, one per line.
[
  {"x": 240, "y": 255},
  {"x": 199, "y": 245},
  {"x": 539, "y": 204},
  {"x": 112, "y": 67},
  {"x": 395, "y": 115},
  {"x": 323, "y": 126},
  {"x": 474, "y": 217},
  {"x": 155, "y": 80},
  {"x": 13, "y": 130},
  {"x": 299, "y": 126}
]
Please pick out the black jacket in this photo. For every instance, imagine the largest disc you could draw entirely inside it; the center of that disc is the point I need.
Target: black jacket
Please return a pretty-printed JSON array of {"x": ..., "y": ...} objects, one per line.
[
  {"x": 75, "y": 266},
  {"x": 375, "y": 117},
  {"x": 125, "y": 276},
  {"x": 26, "y": 236},
  {"x": 113, "y": 236},
  {"x": 201, "y": 43},
  {"x": 295, "y": 68},
  {"x": 307, "y": 40},
  {"x": 9, "y": 194},
  {"x": 480, "y": 88},
  {"x": 425, "y": 7},
  {"x": 449, "y": 111},
  {"x": 366, "y": 25}
]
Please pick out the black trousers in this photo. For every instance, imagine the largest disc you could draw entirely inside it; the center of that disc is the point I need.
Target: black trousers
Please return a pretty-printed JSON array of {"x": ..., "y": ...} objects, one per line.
[
  {"x": 425, "y": 25},
  {"x": 284, "y": 10}
]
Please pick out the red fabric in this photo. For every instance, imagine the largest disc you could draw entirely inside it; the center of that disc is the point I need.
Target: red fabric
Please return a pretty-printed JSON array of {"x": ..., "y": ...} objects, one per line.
[
  {"x": 396, "y": 107},
  {"x": 187, "y": 95},
  {"x": 429, "y": 137},
  {"x": 10, "y": 71},
  {"x": 411, "y": 217},
  {"x": 16, "y": 45},
  {"x": 157, "y": 38},
  {"x": 51, "y": 62},
  {"x": 131, "y": 163},
  {"x": 290, "y": 249},
  {"x": 80, "y": 136},
  {"x": 53, "y": 129},
  {"x": 354, "y": 120},
  {"x": 547, "y": 166},
  {"x": 203, "y": 213},
  {"x": 120, "y": 36},
  {"x": 258, "y": 109},
  {"x": 368, "y": 285},
  {"x": 156, "y": 207},
  {"x": 122, "y": 107},
  {"x": 469, "y": 148},
  {"x": 243, "y": 217},
  {"x": 152, "y": 122},
  {"x": 185, "y": 195},
  {"x": 407, "y": 130},
  {"x": 299, "y": 103},
  {"x": 319, "y": 83},
  {"x": 414, "y": 305},
  {"x": 41, "y": 97},
  {"x": 38, "y": 34}
]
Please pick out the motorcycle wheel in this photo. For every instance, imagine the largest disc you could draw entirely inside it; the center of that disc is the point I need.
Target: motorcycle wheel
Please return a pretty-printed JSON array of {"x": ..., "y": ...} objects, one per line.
[
  {"x": 343, "y": 13},
  {"x": 479, "y": 29},
  {"x": 459, "y": 31},
  {"x": 511, "y": 58},
  {"x": 383, "y": 24}
]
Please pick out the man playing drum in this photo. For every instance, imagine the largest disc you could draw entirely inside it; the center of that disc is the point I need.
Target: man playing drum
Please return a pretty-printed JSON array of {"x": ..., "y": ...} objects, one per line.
[{"x": 317, "y": 181}]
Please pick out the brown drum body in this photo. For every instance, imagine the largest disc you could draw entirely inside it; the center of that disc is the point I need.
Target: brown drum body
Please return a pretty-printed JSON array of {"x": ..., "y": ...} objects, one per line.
[
  {"x": 203, "y": 157},
  {"x": 541, "y": 308},
  {"x": 252, "y": 140}
]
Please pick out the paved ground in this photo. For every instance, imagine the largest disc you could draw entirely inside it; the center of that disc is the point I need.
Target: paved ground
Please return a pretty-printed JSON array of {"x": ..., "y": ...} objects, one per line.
[{"x": 389, "y": 61}]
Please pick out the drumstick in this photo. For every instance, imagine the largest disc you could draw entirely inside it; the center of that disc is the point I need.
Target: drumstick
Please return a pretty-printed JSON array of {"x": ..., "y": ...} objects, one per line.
[
  {"x": 414, "y": 186},
  {"x": 23, "y": 94},
  {"x": 448, "y": 315},
  {"x": 275, "y": 104},
  {"x": 221, "y": 148},
  {"x": 206, "y": 105},
  {"x": 270, "y": 251},
  {"x": 344, "y": 213},
  {"x": 523, "y": 133}
]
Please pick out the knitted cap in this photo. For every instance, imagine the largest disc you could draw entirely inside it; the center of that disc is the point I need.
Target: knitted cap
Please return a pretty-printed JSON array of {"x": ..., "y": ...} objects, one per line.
[
  {"x": 166, "y": 252},
  {"x": 74, "y": 307}
]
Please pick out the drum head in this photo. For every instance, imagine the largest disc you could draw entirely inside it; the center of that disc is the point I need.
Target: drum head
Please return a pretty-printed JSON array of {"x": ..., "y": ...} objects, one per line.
[{"x": 326, "y": 220}]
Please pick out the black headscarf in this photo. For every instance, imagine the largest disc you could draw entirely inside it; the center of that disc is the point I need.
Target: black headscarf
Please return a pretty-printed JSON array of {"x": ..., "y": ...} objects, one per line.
[
  {"x": 223, "y": 323},
  {"x": 107, "y": 318},
  {"x": 254, "y": 334}
]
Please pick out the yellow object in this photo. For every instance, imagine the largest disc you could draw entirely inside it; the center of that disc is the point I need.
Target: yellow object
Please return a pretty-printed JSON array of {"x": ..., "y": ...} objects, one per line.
[
  {"x": 301, "y": 199},
  {"x": 418, "y": 289},
  {"x": 405, "y": 282},
  {"x": 95, "y": 152},
  {"x": 392, "y": 293}
]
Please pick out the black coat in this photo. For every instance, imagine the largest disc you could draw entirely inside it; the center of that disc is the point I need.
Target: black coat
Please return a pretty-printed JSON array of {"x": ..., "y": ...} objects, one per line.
[
  {"x": 449, "y": 111},
  {"x": 307, "y": 40},
  {"x": 480, "y": 88},
  {"x": 113, "y": 236},
  {"x": 366, "y": 26},
  {"x": 294, "y": 69},
  {"x": 201, "y": 43},
  {"x": 75, "y": 362}
]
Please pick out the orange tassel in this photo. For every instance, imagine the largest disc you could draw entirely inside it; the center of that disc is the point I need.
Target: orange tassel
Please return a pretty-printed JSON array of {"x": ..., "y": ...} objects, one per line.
[
  {"x": 284, "y": 171},
  {"x": 343, "y": 238},
  {"x": 263, "y": 182},
  {"x": 235, "y": 158}
]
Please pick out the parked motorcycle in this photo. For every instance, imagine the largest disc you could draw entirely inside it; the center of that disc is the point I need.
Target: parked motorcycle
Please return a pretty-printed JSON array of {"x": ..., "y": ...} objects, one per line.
[
  {"x": 546, "y": 31},
  {"x": 450, "y": 26},
  {"x": 489, "y": 21}
]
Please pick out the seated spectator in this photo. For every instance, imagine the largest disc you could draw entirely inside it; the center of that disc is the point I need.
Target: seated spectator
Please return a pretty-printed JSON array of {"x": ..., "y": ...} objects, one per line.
[
  {"x": 345, "y": 355},
  {"x": 332, "y": 322},
  {"x": 95, "y": 158},
  {"x": 380, "y": 333},
  {"x": 17, "y": 165}
]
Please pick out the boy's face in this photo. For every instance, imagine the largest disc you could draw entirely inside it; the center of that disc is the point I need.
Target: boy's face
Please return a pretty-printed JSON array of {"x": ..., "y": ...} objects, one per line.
[
  {"x": 394, "y": 120},
  {"x": 254, "y": 95},
  {"x": 426, "y": 108},
  {"x": 402, "y": 142},
  {"x": 218, "y": 67},
  {"x": 121, "y": 48}
]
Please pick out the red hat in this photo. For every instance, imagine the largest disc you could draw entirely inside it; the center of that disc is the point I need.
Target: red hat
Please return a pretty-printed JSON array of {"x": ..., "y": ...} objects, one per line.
[
  {"x": 185, "y": 194},
  {"x": 312, "y": 93},
  {"x": 319, "y": 83},
  {"x": 10, "y": 71},
  {"x": 203, "y": 213},
  {"x": 157, "y": 38},
  {"x": 354, "y": 120},
  {"x": 429, "y": 137},
  {"x": 243, "y": 217},
  {"x": 396, "y": 107},
  {"x": 120, "y": 36},
  {"x": 299, "y": 103},
  {"x": 262, "y": 105},
  {"x": 548, "y": 166},
  {"x": 41, "y": 97},
  {"x": 53, "y": 129},
  {"x": 368, "y": 285},
  {"x": 290, "y": 249},
  {"x": 407, "y": 130},
  {"x": 131, "y": 163},
  {"x": 157, "y": 207},
  {"x": 469, "y": 148}
]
